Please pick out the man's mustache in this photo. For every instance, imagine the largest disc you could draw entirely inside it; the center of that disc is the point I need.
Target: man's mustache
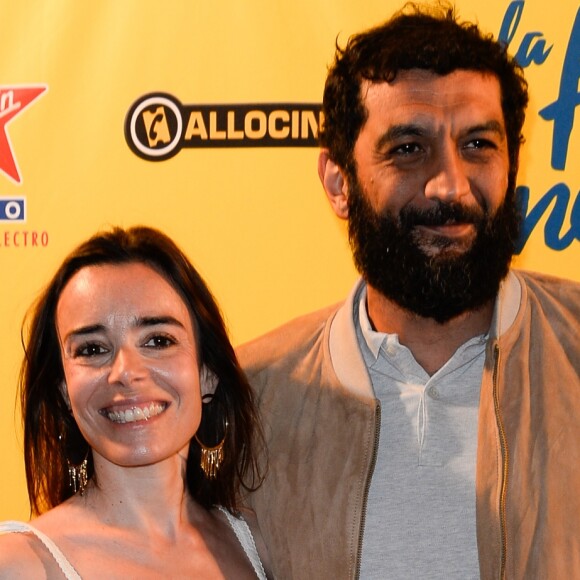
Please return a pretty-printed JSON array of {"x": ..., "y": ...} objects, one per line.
[{"x": 440, "y": 215}]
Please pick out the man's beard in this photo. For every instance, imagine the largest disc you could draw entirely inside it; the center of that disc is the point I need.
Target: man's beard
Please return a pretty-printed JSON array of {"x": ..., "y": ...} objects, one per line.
[{"x": 445, "y": 282}]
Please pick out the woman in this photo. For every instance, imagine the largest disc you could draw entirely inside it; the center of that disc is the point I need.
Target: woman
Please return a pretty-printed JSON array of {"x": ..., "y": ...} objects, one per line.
[{"x": 139, "y": 426}]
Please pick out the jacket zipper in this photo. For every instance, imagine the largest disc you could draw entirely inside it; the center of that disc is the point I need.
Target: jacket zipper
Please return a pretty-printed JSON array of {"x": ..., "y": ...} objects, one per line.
[
  {"x": 503, "y": 489},
  {"x": 367, "y": 488},
  {"x": 505, "y": 461}
]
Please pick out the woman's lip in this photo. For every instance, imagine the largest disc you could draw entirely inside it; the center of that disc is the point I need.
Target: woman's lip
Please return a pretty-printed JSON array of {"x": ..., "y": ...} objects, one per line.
[{"x": 132, "y": 404}]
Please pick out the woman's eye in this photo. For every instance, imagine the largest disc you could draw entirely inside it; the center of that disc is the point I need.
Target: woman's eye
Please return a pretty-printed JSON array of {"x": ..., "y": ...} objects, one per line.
[
  {"x": 89, "y": 350},
  {"x": 159, "y": 341}
]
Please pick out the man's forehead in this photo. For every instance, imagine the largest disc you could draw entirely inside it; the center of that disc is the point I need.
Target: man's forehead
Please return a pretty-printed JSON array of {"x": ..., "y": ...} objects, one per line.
[
  {"x": 423, "y": 87},
  {"x": 425, "y": 81}
]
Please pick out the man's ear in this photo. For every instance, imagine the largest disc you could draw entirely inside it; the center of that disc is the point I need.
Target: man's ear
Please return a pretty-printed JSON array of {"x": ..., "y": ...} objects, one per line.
[
  {"x": 208, "y": 381},
  {"x": 334, "y": 183}
]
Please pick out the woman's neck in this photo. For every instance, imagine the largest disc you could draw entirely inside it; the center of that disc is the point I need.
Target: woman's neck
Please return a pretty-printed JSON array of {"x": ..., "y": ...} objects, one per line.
[{"x": 144, "y": 497}]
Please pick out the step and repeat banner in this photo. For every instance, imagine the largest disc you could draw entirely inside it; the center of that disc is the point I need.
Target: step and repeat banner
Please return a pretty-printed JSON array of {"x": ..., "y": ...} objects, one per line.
[{"x": 201, "y": 118}]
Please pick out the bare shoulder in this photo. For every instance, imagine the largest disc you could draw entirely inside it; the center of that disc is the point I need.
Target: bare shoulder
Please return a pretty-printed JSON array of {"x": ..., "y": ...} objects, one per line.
[{"x": 22, "y": 555}]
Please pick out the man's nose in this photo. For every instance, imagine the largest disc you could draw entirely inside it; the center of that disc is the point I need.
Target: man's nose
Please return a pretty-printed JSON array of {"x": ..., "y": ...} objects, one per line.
[
  {"x": 127, "y": 367},
  {"x": 449, "y": 181}
]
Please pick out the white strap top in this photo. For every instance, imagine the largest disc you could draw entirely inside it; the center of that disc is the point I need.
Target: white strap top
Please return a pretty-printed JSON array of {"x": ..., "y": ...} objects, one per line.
[
  {"x": 69, "y": 572},
  {"x": 239, "y": 526},
  {"x": 246, "y": 539}
]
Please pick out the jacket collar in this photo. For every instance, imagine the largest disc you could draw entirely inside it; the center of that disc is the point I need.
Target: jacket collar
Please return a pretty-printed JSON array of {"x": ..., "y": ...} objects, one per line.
[{"x": 345, "y": 355}]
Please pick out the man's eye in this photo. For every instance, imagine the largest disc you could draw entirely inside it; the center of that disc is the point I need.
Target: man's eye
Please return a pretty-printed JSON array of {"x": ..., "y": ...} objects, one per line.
[
  {"x": 89, "y": 350},
  {"x": 480, "y": 144},
  {"x": 159, "y": 341},
  {"x": 407, "y": 149}
]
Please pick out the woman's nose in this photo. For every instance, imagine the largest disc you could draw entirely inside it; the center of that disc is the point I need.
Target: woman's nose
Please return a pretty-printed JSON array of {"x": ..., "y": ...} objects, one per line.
[{"x": 127, "y": 367}]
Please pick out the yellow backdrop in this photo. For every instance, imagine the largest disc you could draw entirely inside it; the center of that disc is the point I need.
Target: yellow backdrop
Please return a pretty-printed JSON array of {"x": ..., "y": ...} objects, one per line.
[{"x": 252, "y": 218}]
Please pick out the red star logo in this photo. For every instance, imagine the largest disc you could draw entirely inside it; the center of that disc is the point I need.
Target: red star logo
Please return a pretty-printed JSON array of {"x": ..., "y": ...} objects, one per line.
[{"x": 13, "y": 100}]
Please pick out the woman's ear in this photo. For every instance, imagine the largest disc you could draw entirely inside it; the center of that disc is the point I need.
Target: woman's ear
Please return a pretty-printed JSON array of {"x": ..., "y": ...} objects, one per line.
[
  {"x": 334, "y": 183},
  {"x": 64, "y": 393},
  {"x": 208, "y": 381}
]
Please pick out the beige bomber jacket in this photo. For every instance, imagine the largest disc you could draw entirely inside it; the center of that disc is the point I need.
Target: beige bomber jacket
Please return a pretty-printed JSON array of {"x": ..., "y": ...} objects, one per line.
[{"x": 321, "y": 428}]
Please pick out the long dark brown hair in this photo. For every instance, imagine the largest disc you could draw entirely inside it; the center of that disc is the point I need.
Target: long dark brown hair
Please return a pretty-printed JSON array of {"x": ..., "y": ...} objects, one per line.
[{"x": 50, "y": 431}]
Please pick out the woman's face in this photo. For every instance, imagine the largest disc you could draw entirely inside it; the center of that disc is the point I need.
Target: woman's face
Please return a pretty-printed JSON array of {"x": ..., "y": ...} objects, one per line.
[{"x": 130, "y": 363}]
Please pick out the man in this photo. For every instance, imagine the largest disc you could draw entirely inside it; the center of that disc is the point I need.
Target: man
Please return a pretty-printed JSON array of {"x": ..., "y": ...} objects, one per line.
[{"x": 429, "y": 427}]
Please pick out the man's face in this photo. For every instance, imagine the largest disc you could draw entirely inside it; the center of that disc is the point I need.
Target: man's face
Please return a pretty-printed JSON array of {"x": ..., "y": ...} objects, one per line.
[{"x": 427, "y": 218}]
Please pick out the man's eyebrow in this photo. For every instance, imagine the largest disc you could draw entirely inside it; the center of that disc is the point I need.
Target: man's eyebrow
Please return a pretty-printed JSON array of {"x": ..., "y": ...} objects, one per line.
[
  {"x": 402, "y": 130},
  {"x": 398, "y": 131},
  {"x": 493, "y": 126}
]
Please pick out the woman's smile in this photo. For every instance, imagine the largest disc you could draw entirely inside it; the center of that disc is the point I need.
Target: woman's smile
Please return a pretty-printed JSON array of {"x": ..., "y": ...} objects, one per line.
[{"x": 133, "y": 414}]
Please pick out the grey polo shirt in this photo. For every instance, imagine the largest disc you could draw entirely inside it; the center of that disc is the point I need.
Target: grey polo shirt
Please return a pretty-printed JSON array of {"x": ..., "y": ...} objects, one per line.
[{"x": 420, "y": 520}]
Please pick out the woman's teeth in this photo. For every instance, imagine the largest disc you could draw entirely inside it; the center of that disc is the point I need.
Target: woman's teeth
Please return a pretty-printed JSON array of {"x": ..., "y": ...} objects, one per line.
[{"x": 136, "y": 413}]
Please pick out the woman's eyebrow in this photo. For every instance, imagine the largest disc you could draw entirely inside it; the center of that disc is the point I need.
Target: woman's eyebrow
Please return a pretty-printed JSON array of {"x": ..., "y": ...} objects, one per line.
[
  {"x": 84, "y": 330},
  {"x": 140, "y": 321},
  {"x": 157, "y": 320}
]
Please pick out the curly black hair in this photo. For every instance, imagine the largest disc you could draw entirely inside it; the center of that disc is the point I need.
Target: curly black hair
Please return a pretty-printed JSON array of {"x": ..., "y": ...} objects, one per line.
[{"x": 429, "y": 37}]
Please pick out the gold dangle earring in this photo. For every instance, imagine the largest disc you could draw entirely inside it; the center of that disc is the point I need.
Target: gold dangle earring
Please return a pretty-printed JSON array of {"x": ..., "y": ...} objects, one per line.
[
  {"x": 212, "y": 457},
  {"x": 77, "y": 475},
  {"x": 74, "y": 447}
]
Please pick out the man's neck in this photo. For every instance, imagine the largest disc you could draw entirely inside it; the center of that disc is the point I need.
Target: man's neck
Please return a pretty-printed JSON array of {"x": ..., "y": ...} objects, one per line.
[{"x": 431, "y": 343}]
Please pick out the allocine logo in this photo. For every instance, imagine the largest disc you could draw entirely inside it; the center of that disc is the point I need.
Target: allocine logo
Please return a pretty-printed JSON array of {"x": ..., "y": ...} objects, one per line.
[{"x": 158, "y": 126}]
